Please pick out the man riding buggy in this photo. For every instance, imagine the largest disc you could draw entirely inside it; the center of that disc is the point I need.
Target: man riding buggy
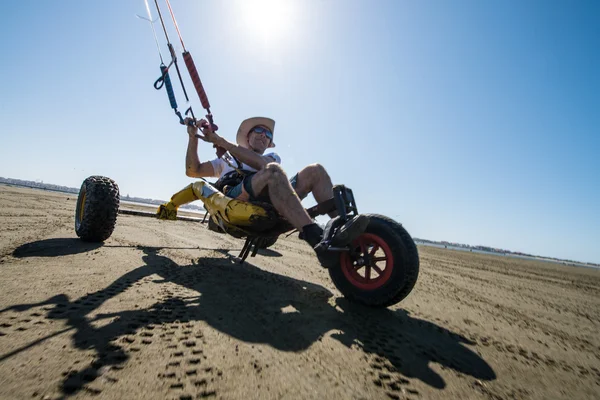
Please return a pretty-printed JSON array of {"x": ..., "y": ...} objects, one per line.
[
  {"x": 371, "y": 259},
  {"x": 258, "y": 176}
]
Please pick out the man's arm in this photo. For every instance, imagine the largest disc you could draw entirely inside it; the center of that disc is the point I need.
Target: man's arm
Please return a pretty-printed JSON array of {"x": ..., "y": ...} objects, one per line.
[{"x": 193, "y": 167}]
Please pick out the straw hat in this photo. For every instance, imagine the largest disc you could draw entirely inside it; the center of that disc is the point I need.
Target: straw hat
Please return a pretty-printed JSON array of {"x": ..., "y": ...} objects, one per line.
[{"x": 247, "y": 125}]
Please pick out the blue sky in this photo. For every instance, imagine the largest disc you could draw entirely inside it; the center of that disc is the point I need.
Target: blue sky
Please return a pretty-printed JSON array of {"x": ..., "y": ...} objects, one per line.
[{"x": 467, "y": 121}]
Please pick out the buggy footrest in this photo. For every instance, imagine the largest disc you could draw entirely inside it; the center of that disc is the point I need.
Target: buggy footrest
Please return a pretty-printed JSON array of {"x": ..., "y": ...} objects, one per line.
[{"x": 344, "y": 201}]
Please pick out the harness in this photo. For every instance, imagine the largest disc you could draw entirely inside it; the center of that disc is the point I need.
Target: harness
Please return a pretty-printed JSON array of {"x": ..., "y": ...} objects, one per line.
[{"x": 232, "y": 178}]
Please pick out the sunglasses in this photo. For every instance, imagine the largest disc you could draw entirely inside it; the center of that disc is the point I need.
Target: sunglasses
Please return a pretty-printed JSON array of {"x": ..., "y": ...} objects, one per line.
[{"x": 260, "y": 129}]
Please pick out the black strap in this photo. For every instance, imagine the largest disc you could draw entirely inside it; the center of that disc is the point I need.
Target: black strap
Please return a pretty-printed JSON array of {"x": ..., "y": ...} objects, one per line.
[{"x": 232, "y": 179}]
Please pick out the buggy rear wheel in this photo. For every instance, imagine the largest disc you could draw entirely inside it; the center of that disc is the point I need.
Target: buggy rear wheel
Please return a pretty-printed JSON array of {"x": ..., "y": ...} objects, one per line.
[
  {"x": 97, "y": 209},
  {"x": 383, "y": 267}
]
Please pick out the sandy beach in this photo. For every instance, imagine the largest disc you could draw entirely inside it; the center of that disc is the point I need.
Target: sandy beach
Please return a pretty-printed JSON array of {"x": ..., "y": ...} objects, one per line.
[{"x": 164, "y": 310}]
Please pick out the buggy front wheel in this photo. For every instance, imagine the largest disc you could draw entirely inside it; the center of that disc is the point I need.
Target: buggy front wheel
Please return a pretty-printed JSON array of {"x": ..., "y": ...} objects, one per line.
[{"x": 383, "y": 266}]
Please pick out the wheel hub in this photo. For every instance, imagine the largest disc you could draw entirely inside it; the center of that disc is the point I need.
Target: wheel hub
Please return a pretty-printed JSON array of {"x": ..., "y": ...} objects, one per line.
[{"x": 369, "y": 265}]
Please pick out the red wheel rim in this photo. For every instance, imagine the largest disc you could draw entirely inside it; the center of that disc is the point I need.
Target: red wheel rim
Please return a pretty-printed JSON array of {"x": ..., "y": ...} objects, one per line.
[{"x": 377, "y": 265}]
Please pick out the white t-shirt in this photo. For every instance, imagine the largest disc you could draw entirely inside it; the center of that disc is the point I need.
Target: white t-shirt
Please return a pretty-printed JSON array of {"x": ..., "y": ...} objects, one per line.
[{"x": 221, "y": 167}]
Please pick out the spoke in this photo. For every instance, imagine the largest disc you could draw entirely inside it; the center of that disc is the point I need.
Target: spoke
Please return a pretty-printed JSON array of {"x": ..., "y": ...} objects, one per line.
[
  {"x": 384, "y": 258},
  {"x": 363, "y": 248},
  {"x": 357, "y": 267},
  {"x": 368, "y": 273},
  {"x": 374, "y": 250},
  {"x": 376, "y": 268}
]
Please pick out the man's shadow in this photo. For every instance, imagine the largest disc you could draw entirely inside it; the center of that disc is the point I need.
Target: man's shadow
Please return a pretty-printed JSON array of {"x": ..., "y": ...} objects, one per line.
[{"x": 257, "y": 306}]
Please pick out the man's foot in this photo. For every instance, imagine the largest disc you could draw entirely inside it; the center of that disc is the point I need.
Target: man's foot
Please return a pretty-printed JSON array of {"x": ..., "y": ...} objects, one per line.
[
  {"x": 313, "y": 234},
  {"x": 167, "y": 211}
]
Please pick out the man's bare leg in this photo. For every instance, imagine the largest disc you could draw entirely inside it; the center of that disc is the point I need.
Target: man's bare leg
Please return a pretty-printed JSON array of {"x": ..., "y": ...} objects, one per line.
[
  {"x": 282, "y": 195},
  {"x": 315, "y": 179},
  {"x": 287, "y": 203}
]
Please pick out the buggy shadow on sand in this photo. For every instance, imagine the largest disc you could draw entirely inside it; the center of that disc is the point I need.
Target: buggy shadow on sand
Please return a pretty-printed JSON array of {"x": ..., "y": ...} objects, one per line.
[
  {"x": 397, "y": 344},
  {"x": 379, "y": 268}
]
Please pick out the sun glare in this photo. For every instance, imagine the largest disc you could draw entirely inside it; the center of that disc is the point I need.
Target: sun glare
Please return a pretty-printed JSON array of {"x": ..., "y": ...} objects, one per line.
[{"x": 268, "y": 20}]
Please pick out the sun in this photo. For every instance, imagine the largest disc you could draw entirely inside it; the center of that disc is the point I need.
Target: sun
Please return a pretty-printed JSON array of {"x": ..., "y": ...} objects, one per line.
[{"x": 268, "y": 20}]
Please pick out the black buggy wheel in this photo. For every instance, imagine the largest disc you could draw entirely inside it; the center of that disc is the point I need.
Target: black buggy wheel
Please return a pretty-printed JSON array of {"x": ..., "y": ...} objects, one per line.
[
  {"x": 97, "y": 209},
  {"x": 384, "y": 267}
]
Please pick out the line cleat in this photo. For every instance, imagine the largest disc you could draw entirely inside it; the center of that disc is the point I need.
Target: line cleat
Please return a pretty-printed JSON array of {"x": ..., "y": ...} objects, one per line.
[{"x": 167, "y": 211}]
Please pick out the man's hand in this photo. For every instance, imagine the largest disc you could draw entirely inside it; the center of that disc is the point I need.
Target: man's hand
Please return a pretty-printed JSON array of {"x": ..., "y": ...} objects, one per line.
[
  {"x": 207, "y": 135},
  {"x": 192, "y": 129}
]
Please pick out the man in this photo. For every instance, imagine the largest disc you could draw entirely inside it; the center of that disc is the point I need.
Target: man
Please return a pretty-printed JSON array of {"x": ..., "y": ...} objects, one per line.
[{"x": 267, "y": 181}]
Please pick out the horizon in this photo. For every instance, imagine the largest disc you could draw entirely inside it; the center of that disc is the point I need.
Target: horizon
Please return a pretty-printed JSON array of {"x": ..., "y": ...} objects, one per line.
[
  {"x": 466, "y": 122},
  {"x": 441, "y": 242}
]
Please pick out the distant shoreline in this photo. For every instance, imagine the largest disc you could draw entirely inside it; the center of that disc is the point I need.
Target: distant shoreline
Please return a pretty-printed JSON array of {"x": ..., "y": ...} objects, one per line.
[
  {"x": 508, "y": 254},
  {"x": 425, "y": 242},
  {"x": 69, "y": 190}
]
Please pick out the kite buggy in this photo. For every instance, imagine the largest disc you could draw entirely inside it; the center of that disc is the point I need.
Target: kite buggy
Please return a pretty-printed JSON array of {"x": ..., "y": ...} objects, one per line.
[{"x": 379, "y": 267}]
